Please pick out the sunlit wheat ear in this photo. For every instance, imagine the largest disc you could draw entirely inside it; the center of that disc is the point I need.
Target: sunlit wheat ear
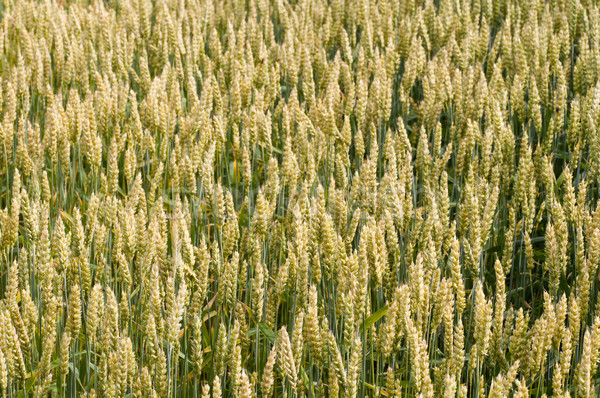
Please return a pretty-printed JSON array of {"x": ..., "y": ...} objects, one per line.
[
  {"x": 268, "y": 377},
  {"x": 216, "y": 388}
]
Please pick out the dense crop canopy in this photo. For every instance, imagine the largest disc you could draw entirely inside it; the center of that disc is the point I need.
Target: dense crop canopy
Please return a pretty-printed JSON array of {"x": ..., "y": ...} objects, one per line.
[{"x": 300, "y": 198}]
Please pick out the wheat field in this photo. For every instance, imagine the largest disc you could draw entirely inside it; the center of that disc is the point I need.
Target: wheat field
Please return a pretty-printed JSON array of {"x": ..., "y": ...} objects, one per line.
[{"x": 299, "y": 198}]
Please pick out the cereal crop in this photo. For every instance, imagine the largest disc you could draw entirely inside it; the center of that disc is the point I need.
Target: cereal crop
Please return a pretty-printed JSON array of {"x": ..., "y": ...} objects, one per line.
[{"x": 299, "y": 198}]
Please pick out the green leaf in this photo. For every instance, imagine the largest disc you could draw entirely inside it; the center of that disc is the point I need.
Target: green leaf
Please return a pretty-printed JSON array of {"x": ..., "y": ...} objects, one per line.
[
  {"x": 370, "y": 321},
  {"x": 306, "y": 380},
  {"x": 267, "y": 331}
]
